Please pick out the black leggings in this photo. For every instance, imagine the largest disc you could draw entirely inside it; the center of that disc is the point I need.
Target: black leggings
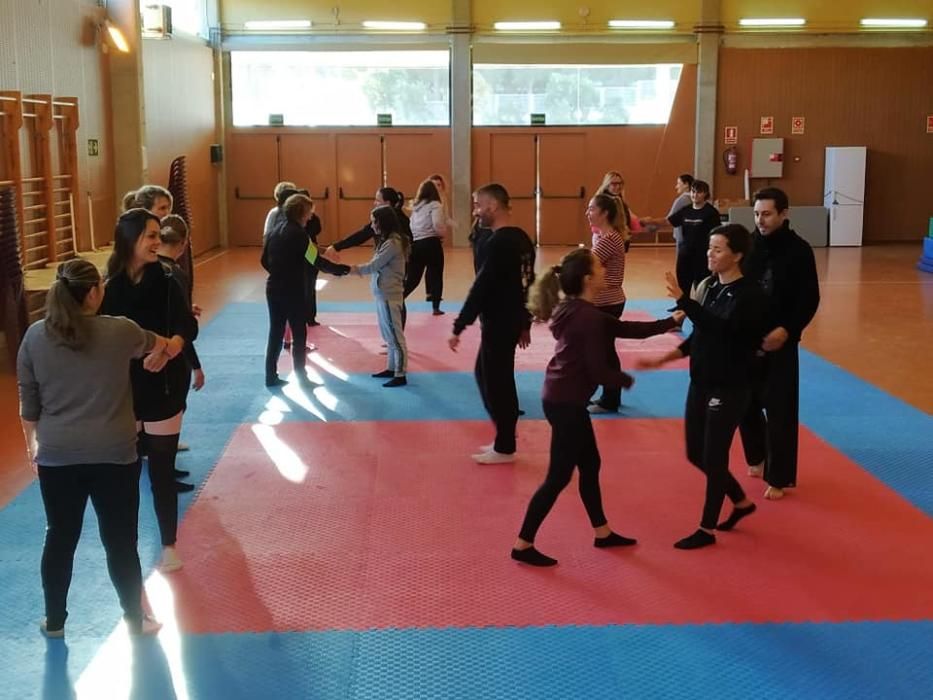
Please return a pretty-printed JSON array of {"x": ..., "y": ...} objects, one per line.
[
  {"x": 160, "y": 451},
  {"x": 427, "y": 254},
  {"x": 495, "y": 377},
  {"x": 573, "y": 444},
  {"x": 612, "y": 396},
  {"x": 290, "y": 309},
  {"x": 712, "y": 417},
  {"x": 114, "y": 493}
]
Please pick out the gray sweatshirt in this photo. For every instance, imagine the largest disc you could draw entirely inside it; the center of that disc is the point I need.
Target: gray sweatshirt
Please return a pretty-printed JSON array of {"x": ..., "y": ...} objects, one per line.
[
  {"x": 81, "y": 399},
  {"x": 388, "y": 270}
]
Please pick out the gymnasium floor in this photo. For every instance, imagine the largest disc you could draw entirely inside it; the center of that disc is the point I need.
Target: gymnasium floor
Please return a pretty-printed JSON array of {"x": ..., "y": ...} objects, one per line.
[{"x": 342, "y": 544}]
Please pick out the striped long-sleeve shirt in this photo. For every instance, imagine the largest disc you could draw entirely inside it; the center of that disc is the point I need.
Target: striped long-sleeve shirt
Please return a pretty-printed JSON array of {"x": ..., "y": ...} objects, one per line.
[{"x": 610, "y": 249}]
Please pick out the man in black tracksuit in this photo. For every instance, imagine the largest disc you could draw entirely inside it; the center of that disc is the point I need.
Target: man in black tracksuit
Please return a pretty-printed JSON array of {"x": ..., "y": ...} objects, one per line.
[
  {"x": 783, "y": 264},
  {"x": 498, "y": 298}
]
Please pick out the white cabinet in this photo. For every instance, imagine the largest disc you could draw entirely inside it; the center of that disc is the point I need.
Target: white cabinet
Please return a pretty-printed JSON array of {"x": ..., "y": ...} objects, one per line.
[{"x": 844, "y": 193}]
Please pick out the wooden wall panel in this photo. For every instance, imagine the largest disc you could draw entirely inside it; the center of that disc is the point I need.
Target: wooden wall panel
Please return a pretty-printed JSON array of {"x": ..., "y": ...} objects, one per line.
[
  {"x": 180, "y": 120},
  {"x": 874, "y": 97}
]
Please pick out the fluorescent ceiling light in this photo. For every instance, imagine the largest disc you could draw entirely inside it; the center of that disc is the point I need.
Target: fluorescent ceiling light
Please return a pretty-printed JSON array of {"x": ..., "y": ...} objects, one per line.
[
  {"x": 525, "y": 26},
  {"x": 779, "y": 22},
  {"x": 116, "y": 36},
  {"x": 269, "y": 24},
  {"x": 641, "y": 23},
  {"x": 395, "y": 26},
  {"x": 894, "y": 23}
]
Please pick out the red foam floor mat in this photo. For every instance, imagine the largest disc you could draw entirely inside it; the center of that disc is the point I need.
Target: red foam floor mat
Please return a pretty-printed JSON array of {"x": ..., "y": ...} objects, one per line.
[
  {"x": 382, "y": 525},
  {"x": 351, "y": 341}
]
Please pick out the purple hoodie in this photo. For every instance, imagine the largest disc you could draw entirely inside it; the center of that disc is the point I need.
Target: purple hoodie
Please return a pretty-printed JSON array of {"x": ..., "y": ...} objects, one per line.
[{"x": 579, "y": 365}]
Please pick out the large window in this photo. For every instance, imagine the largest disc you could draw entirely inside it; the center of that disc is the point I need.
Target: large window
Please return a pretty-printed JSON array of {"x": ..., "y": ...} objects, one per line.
[
  {"x": 568, "y": 94},
  {"x": 341, "y": 88}
]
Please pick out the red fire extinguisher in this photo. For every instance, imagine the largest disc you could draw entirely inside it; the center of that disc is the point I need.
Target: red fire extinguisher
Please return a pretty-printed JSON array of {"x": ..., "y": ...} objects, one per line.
[{"x": 730, "y": 159}]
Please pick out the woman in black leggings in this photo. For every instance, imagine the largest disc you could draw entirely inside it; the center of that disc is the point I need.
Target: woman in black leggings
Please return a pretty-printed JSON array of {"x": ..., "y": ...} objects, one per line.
[
  {"x": 77, "y": 413},
  {"x": 579, "y": 365},
  {"x": 728, "y": 326}
]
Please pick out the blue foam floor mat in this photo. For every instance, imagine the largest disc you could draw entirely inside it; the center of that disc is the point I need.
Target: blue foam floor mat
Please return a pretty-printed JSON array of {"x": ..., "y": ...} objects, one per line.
[{"x": 885, "y": 436}]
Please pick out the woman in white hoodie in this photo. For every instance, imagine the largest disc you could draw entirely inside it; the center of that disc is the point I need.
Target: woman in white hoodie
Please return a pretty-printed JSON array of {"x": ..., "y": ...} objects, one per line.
[{"x": 428, "y": 228}]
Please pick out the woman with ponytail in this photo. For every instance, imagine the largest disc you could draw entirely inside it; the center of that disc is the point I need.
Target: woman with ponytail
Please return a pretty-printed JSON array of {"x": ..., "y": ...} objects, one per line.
[
  {"x": 76, "y": 407},
  {"x": 144, "y": 290},
  {"x": 579, "y": 365}
]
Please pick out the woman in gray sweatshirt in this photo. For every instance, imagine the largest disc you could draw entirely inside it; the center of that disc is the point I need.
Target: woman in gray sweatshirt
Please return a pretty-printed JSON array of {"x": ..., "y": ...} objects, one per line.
[
  {"x": 76, "y": 405},
  {"x": 388, "y": 285}
]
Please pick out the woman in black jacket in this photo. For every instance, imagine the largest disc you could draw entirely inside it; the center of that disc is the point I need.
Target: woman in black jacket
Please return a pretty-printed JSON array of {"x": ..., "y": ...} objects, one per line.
[
  {"x": 286, "y": 253},
  {"x": 728, "y": 326},
  {"x": 142, "y": 289}
]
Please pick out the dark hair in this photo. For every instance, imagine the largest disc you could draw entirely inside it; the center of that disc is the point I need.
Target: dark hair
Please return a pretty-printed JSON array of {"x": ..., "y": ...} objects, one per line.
[
  {"x": 64, "y": 317},
  {"x": 296, "y": 206},
  {"x": 779, "y": 197},
  {"x": 567, "y": 277},
  {"x": 146, "y": 197},
  {"x": 174, "y": 230},
  {"x": 392, "y": 197},
  {"x": 700, "y": 186},
  {"x": 737, "y": 238},
  {"x": 387, "y": 226},
  {"x": 497, "y": 192},
  {"x": 427, "y": 192},
  {"x": 611, "y": 205},
  {"x": 686, "y": 178},
  {"x": 130, "y": 226}
]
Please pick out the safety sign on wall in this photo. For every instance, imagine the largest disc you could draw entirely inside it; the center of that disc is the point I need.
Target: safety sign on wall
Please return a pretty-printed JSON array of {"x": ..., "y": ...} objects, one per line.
[
  {"x": 930, "y": 123},
  {"x": 797, "y": 125},
  {"x": 731, "y": 135},
  {"x": 767, "y": 125}
]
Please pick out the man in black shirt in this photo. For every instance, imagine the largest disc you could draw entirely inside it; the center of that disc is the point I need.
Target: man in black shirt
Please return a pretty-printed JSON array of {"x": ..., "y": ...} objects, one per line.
[
  {"x": 498, "y": 298},
  {"x": 783, "y": 264}
]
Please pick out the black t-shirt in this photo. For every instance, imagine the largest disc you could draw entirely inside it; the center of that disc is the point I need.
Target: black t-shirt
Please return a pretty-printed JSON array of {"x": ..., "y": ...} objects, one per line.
[{"x": 696, "y": 225}]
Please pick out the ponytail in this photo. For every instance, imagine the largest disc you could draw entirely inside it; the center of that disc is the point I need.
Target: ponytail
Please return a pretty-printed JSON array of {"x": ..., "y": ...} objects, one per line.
[
  {"x": 64, "y": 316},
  {"x": 568, "y": 277},
  {"x": 544, "y": 294}
]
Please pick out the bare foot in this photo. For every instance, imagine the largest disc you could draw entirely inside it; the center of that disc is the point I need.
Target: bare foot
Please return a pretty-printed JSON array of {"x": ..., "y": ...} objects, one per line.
[
  {"x": 773, "y": 493},
  {"x": 756, "y": 470}
]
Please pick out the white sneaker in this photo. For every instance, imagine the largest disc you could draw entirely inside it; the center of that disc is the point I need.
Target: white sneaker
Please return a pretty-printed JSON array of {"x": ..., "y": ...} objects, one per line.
[
  {"x": 487, "y": 448},
  {"x": 51, "y": 634},
  {"x": 170, "y": 561},
  {"x": 493, "y": 457},
  {"x": 183, "y": 447}
]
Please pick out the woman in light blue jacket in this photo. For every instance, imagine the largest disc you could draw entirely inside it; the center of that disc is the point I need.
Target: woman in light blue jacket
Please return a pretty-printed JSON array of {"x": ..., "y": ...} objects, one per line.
[{"x": 388, "y": 285}]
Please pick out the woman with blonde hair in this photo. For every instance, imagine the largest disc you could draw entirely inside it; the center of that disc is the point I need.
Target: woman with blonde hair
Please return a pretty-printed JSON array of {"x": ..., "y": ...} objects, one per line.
[
  {"x": 428, "y": 228},
  {"x": 76, "y": 406},
  {"x": 564, "y": 295},
  {"x": 613, "y": 184}
]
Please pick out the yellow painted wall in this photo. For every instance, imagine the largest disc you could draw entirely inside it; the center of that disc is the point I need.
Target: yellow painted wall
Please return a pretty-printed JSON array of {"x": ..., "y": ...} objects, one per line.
[
  {"x": 822, "y": 15},
  {"x": 235, "y": 12}
]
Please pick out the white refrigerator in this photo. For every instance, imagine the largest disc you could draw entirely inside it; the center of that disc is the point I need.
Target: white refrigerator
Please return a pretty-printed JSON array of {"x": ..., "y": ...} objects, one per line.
[{"x": 844, "y": 194}]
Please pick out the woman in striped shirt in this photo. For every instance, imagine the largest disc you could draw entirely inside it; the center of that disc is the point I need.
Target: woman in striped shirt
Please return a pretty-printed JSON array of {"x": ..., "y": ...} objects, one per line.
[{"x": 608, "y": 228}]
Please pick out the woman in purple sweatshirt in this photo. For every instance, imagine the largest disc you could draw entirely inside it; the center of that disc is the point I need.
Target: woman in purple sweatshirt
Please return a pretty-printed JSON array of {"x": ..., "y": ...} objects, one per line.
[{"x": 578, "y": 367}]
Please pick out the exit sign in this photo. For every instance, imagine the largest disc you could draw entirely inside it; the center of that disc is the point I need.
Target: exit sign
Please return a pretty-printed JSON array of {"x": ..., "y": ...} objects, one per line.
[
  {"x": 384, "y": 119},
  {"x": 538, "y": 119},
  {"x": 276, "y": 120}
]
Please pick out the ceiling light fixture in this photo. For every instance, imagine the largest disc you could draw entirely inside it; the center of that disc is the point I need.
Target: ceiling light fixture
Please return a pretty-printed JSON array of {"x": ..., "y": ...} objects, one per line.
[
  {"x": 395, "y": 26},
  {"x": 776, "y": 22},
  {"x": 891, "y": 23},
  {"x": 526, "y": 26},
  {"x": 641, "y": 23}
]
